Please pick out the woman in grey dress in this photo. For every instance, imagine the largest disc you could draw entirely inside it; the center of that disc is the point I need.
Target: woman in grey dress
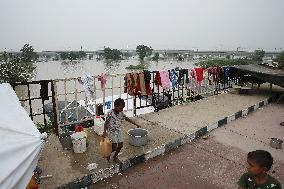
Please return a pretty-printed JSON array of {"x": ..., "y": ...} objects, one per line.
[{"x": 113, "y": 126}]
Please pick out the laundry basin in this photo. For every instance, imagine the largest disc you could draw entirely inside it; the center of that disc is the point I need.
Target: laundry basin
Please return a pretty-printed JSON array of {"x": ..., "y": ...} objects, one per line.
[{"x": 138, "y": 136}]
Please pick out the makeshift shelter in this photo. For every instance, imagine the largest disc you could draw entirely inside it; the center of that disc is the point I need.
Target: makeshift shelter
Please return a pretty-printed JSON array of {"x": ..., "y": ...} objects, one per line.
[
  {"x": 266, "y": 73},
  {"x": 20, "y": 140}
]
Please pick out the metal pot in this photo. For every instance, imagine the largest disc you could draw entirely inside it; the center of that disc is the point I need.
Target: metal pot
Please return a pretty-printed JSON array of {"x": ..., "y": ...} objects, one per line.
[
  {"x": 276, "y": 143},
  {"x": 138, "y": 136}
]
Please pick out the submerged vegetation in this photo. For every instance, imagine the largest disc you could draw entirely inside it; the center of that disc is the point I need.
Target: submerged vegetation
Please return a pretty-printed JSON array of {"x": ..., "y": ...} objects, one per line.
[
  {"x": 18, "y": 67},
  {"x": 224, "y": 62}
]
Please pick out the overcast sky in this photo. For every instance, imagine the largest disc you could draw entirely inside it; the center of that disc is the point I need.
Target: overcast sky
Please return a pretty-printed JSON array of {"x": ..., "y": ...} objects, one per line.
[{"x": 163, "y": 24}]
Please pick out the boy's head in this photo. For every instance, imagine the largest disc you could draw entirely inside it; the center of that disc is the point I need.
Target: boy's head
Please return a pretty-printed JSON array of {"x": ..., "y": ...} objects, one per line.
[
  {"x": 259, "y": 162},
  {"x": 119, "y": 104}
]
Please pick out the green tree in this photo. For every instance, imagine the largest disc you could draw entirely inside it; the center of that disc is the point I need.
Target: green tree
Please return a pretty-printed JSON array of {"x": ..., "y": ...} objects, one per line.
[
  {"x": 64, "y": 55},
  {"x": 258, "y": 55},
  {"x": 16, "y": 70},
  {"x": 224, "y": 62},
  {"x": 143, "y": 51},
  {"x": 73, "y": 56},
  {"x": 180, "y": 57},
  {"x": 28, "y": 54},
  {"x": 156, "y": 57},
  {"x": 4, "y": 56},
  {"x": 82, "y": 54},
  {"x": 19, "y": 68},
  {"x": 112, "y": 54},
  {"x": 280, "y": 60}
]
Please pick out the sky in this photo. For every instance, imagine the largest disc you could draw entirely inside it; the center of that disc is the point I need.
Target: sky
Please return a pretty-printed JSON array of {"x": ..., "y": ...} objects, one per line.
[{"x": 162, "y": 24}]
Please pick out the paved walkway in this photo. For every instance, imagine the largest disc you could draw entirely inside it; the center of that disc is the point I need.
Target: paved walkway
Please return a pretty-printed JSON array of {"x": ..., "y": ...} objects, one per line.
[
  {"x": 215, "y": 163},
  {"x": 168, "y": 129}
]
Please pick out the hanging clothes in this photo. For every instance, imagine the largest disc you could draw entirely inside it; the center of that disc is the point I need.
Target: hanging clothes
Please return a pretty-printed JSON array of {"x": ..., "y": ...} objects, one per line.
[
  {"x": 165, "y": 81},
  {"x": 192, "y": 74},
  {"x": 108, "y": 104},
  {"x": 173, "y": 77},
  {"x": 147, "y": 79},
  {"x": 88, "y": 83},
  {"x": 44, "y": 90},
  {"x": 142, "y": 84},
  {"x": 147, "y": 76},
  {"x": 103, "y": 79},
  {"x": 137, "y": 88},
  {"x": 158, "y": 81},
  {"x": 191, "y": 78},
  {"x": 220, "y": 75},
  {"x": 130, "y": 83},
  {"x": 205, "y": 75},
  {"x": 226, "y": 73},
  {"x": 199, "y": 75},
  {"x": 183, "y": 77},
  {"x": 125, "y": 84},
  {"x": 212, "y": 71}
]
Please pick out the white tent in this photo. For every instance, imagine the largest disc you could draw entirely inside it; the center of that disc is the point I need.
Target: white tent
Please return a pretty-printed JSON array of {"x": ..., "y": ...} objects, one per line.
[{"x": 20, "y": 142}]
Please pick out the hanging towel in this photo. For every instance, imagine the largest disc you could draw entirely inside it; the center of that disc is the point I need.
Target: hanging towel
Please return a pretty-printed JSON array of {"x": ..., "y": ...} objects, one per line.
[
  {"x": 44, "y": 90},
  {"x": 199, "y": 75},
  {"x": 137, "y": 88},
  {"x": 125, "y": 84},
  {"x": 183, "y": 76},
  {"x": 129, "y": 83},
  {"x": 103, "y": 79},
  {"x": 142, "y": 84},
  {"x": 88, "y": 83},
  {"x": 147, "y": 78},
  {"x": 192, "y": 74},
  {"x": 212, "y": 71},
  {"x": 173, "y": 77},
  {"x": 158, "y": 81},
  {"x": 165, "y": 81}
]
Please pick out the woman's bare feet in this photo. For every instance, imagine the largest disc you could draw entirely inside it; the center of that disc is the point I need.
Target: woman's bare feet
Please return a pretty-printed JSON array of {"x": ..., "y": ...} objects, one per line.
[
  {"x": 116, "y": 160},
  {"x": 108, "y": 158}
]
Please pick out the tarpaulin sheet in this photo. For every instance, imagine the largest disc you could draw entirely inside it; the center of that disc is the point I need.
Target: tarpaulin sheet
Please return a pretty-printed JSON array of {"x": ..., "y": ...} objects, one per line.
[
  {"x": 20, "y": 142},
  {"x": 265, "y": 73}
]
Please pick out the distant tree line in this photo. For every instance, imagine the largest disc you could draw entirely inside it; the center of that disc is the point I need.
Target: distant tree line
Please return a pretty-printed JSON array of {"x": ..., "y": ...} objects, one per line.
[
  {"x": 142, "y": 51},
  {"x": 220, "y": 62},
  {"x": 280, "y": 60},
  {"x": 73, "y": 55}
]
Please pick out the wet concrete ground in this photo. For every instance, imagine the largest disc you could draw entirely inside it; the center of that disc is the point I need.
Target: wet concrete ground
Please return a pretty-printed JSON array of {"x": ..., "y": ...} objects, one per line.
[
  {"x": 164, "y": 127},
  {"x": 214, "y": 163}
]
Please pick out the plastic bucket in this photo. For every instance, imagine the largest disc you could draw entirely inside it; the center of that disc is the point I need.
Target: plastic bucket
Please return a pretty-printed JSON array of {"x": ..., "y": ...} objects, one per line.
[
  {"x": 79, "y": 142},
  {"x": 65, "y": 140},
  {"x": 99, "y": 126}
]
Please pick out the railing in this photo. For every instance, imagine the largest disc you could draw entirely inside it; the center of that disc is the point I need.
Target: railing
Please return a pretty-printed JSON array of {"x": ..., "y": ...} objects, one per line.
[
  {"x": 38, "y": 98},
  {"x": 76, "y": 101},
  {"x": 69, "y": 104}
]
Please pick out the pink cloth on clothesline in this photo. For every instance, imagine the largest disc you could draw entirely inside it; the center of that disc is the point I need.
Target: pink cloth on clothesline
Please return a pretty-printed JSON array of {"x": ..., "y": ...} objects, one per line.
[
  {"x": 103, "y": 79},
  {"x": 165, "y": 79}
]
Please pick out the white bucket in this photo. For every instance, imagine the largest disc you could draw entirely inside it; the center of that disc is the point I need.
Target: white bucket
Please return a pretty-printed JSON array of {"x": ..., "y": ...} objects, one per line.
[
  {"x": 79, "y": 142},
  {"x": 99, "y": 126}
]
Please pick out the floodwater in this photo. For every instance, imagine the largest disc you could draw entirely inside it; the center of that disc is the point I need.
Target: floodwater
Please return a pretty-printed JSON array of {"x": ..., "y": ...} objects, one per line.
[{"x": 61, "y": 70}]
